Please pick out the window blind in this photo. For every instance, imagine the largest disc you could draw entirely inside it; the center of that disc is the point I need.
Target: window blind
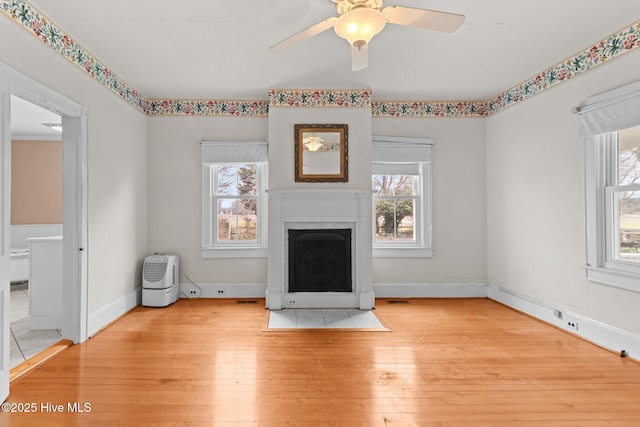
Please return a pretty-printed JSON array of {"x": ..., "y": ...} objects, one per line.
[
  {"x": 234, "y": 152},
  {"x": 609, "y": 112},
  {"x": 399, "y": 156}
]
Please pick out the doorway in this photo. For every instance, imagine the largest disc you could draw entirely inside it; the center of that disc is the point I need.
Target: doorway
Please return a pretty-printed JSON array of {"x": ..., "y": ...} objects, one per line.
[
  {"x": 36, "y": 229},
  {"x": 74, "y": 287}
]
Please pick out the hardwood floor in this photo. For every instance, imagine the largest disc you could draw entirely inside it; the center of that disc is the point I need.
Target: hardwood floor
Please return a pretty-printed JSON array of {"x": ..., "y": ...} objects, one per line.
[{"x": 446, "y": 362}]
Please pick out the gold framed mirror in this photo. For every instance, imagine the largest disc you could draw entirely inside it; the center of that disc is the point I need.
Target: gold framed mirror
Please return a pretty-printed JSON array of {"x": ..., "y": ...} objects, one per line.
[{"x": 321, "y": 153}]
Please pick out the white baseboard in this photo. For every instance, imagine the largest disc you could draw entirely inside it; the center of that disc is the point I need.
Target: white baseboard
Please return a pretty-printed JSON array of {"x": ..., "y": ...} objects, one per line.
[
  {"x": 601, "y": 334},
  {"x": 101, "y": 317},
  {"x": 430, "y": 290},
  {"x": 382, "y": 290},
  {"x": 222, "y": 290}
]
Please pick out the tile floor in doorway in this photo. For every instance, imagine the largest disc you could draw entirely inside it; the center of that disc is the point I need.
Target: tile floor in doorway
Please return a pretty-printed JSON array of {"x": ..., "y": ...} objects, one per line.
[{"x": 26, "y": 342}]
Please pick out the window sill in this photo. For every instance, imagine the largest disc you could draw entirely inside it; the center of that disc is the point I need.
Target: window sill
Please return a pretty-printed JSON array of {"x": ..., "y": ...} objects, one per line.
[
  {"x": 399, "y": 252},
  {"x": 616, "y": 278},
  {"x": 227, "y": 252}
]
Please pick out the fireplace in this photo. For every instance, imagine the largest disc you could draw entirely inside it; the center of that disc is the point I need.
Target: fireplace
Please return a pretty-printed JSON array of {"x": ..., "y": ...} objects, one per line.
[
  {"x": 320, "y": 260},
  {"x": 331, "y": 232}
]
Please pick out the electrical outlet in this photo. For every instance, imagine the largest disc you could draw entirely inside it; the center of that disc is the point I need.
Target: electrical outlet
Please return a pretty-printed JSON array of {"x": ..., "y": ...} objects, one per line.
[
  {"x": 292, "y": 302},
  {"x": 569, "y": 321},
  {"x": 220, "y": 291},
  {"x": 189, "y": 290},
  {"x": 572, "y": 324}
]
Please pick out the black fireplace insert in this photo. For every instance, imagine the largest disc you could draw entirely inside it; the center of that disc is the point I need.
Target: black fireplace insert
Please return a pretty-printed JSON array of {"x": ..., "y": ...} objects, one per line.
[{"x": 320, "y": 260}]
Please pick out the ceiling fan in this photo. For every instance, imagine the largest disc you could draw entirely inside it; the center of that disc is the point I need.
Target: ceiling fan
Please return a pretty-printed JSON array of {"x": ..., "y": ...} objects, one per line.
[{"x": 360, "y": 20}]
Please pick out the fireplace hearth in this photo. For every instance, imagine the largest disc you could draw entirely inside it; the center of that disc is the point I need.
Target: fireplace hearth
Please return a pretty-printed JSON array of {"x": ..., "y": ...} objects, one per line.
[{"x": 320, "y": 260}]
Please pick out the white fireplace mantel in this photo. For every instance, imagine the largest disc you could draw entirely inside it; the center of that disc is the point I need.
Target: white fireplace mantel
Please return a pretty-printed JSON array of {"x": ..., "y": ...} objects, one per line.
[{"x": 320, "y": 209}]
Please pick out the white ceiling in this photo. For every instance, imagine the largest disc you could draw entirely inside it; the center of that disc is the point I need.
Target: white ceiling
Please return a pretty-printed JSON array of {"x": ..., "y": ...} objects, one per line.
[
  {"x": 218, "y": 49},
  {"x": 27, "y": 121}
]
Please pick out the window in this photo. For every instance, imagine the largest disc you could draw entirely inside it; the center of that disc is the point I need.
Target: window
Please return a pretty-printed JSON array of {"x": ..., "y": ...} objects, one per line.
[
  {"x": 234, "y": 198},
  {"x": 401, "y": 197},
  {"x": 234, "y": 178},
  {"x": 622, "y": 197},
  {"x": 610, "y": 127}
]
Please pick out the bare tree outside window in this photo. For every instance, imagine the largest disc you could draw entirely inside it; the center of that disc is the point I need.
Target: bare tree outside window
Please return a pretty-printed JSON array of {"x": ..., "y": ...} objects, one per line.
[
  {"x": 628, "y": 202},
  {"x": 236, "y": 194},
  {"x": 394, "y": 207}
]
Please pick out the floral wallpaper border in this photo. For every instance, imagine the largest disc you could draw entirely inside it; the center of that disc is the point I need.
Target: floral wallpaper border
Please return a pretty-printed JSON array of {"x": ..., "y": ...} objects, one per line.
[
  {"x": 605, "y": 50},
  {"x": 182, "y": 107},
  {"x": 319, "y": 98},
  {"x": 32, "y": 20},
  {"x": 429, "y": 109},
  {"x": 50, "y": 34}
]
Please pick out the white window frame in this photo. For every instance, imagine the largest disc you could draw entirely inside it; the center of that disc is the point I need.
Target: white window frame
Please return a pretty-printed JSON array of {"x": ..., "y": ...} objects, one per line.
[
  {"x": 395, "y": 156},
  {"x": 217, "y": 153},
  {"x": 601, "y": 118}
]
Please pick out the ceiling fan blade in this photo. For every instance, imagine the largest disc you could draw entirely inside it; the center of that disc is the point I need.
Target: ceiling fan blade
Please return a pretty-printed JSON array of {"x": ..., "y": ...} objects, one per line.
[
  {"x": 423, "y": 18},
  {"x": 359, "y": 57},
  {"x": 307, "y": 33}
]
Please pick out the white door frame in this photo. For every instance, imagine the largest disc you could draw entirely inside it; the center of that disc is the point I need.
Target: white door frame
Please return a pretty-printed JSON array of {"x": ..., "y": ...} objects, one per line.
[
  {"x": 5, "y": 239},
  {"x": 75, "y": 202}
]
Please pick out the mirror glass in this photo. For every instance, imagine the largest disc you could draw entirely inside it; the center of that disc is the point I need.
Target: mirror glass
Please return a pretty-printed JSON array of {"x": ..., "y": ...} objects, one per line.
[{"x": 321, "y": 153}]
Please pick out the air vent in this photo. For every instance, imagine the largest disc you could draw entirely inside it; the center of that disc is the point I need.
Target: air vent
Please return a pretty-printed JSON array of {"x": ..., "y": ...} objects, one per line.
[
  {"x": 154, "y": 271},
  {"x": 398, "y": 301},
  {"x": 247, "y": 302}
]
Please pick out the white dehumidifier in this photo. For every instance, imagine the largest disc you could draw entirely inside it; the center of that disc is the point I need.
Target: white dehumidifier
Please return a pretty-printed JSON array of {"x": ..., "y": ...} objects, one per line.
[{"x": 160, "y": 280}]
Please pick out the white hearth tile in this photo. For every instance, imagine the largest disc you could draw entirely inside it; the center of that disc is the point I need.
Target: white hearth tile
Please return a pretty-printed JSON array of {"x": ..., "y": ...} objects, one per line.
[
  {"x": 306, "y": 321},
  {"x": 282, "y": 319},
  {"x": 339, "y": 323},
  {"x": 366, "y": 319},
  {"x": 313, "y": 318},
  {"x": 334, "y": 313},
  {"x": 310, "y": 313}
]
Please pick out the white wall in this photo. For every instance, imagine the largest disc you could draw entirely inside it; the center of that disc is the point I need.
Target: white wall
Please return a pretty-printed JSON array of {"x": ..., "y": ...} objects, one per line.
[
  {"x": 458, "y": 202},
  {"x": 459, "y": 213},
  {"x": 116, "y": 165},
  {"x": 535, "y": 200},
  {"x": 175, "y": 183}
]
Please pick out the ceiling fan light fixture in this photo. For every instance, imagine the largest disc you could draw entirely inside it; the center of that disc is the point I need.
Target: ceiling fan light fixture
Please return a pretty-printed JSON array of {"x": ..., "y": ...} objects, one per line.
[{"x": 358, "y": 26}]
